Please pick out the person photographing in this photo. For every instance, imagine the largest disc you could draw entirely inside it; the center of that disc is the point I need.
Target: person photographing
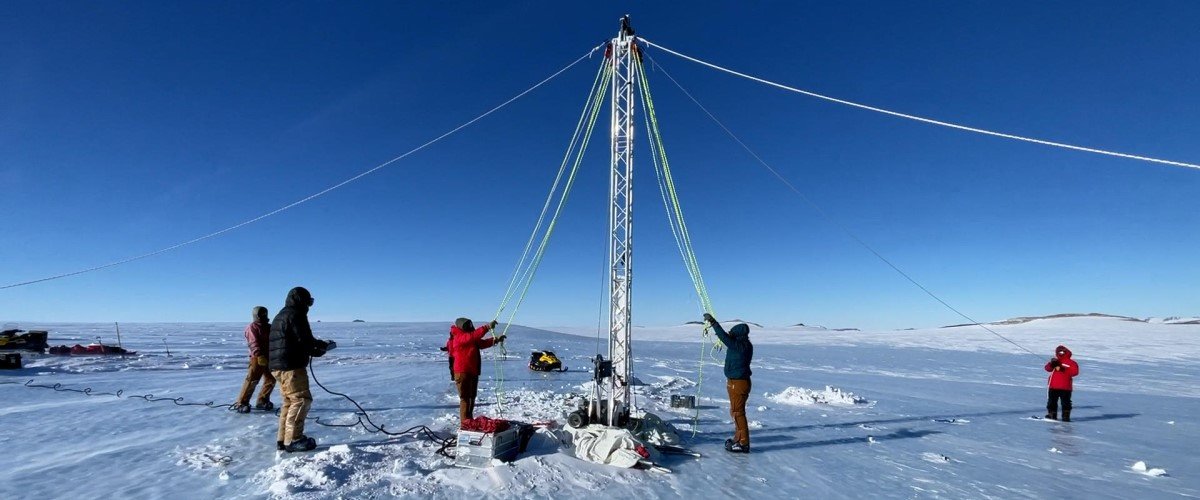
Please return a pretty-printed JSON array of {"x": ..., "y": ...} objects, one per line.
[{"x": 1062, "y": 370}]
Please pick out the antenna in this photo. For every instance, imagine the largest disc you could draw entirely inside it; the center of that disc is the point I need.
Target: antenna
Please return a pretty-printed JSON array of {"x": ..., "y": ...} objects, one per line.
[{"x": 620, "y": 224}]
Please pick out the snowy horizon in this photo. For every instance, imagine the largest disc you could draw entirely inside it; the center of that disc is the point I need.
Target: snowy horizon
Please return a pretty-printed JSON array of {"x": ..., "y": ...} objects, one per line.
[
  {"x": 934, "y": 413},
  {"x": 1178, "y": 319}
]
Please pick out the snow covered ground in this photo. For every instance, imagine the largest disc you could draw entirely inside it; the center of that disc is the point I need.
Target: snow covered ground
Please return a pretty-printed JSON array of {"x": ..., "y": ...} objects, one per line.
[{"x": 921, "y": 413}]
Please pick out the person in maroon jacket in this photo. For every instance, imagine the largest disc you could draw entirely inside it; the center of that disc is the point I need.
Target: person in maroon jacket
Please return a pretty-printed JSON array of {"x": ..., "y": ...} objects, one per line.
[
  {"x": 463, "y": 347},
  {"x": 1062, "y": 369},
  {"x": 257, "y": 334}
]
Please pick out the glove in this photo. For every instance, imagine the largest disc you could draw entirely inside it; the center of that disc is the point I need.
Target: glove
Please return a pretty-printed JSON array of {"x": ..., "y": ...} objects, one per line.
[
  {"x": 319, "y": 348},
  {"x": 1055, "y": 362},
  {"x": 492, "y": 325},
  {"x": 443, "y": 349},
  {"x": 501, "y": 338},
  {"x": 709, "y": 318},
  {"x": 261, "y": 360}
]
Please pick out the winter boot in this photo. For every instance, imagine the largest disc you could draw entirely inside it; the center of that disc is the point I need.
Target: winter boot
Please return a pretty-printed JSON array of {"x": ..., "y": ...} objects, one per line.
[
  {"x": 1051, "y": 416},
  {"x": 1066, "y": 415},
  {"x": 264, "y": 405},
  {"x": 279, "y": 446},
  {"x": 733, "y": 447},
  {"x": 242, "y": 408},
  {"x": 303, "y": 444}
]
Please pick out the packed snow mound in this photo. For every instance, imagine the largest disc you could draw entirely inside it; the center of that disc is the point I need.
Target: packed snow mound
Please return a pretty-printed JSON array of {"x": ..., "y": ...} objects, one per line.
[
  {"x": 799, "y": 396},
  {"x": 1141, "y": 468}
]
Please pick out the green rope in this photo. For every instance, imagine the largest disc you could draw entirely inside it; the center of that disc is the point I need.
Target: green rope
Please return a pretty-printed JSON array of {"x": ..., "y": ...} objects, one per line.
[
  {"x": 541, "y": 251},
  {"x": 679, "y": 230},
  {"x": 594, "y": 102},
  {"x": 592, "y": 95},
  {"x": 675, "y": 211}
]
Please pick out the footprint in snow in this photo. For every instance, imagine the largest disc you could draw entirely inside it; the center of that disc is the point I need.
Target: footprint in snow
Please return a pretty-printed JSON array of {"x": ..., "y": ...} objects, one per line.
[{"x": 936, "y": 458}]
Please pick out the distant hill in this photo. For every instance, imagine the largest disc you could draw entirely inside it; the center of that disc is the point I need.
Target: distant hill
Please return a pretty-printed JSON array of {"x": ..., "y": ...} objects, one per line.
[
  {"x": 1174, "y": 320},
  {"x": 358, "y": 321},
  {"x": 819, "y": 327}
]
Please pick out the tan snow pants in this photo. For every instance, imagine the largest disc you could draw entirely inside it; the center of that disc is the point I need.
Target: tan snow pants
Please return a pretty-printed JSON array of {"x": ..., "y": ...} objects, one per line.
[
  {"x": 296, "y": 402},
  {"x": 255, "y": 373},
  {"x": 468, "y": 388}
]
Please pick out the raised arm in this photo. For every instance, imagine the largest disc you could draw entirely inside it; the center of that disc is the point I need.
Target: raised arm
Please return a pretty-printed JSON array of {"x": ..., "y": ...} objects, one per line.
[{"x": 717, "y": 329}]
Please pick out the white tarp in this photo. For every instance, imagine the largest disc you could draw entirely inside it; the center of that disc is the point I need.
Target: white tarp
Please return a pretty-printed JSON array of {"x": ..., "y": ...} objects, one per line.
[
  {"x": 655, "y": 431},
  {"x": 606, "y": 445}
]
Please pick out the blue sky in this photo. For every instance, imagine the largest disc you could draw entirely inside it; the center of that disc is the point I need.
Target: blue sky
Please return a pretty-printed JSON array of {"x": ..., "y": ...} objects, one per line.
[{"x": 128, "y": 127}]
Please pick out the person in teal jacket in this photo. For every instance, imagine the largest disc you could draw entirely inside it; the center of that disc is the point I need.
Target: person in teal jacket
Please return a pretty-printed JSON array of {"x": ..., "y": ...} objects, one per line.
[{"x": 738, "y": 354}]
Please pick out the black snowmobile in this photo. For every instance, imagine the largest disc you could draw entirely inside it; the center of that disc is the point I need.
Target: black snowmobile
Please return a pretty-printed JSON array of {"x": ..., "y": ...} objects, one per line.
[
  {"x": 34, "y": 340},
  {"x": 545, "y": 361}
]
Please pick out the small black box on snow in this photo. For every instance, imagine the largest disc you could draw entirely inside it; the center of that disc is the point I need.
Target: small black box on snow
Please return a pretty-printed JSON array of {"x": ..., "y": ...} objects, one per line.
[
  {"x": 679, "y": 401},
  {"x": 10, "y": 361}
]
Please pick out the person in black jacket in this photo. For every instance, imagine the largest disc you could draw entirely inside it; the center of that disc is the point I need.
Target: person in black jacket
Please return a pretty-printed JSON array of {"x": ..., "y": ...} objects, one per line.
[
  {"x": 291, "y": 345},
  {"x": 738, "y": 353}
]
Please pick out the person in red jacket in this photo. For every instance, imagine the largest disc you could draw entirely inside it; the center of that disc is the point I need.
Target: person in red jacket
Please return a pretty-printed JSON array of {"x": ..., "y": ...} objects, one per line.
[
  {"x": 1062, "y": 369},
  {"x": 257, "y": 333},
  {"x": 463, "y": 347}
]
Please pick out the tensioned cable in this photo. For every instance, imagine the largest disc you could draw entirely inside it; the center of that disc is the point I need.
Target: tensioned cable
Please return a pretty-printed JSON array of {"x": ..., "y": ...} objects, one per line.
[
  {"x": 312, "y": 196},
  {"x": 923, "y": 119},
  {"x": 667, "y": 189},
  {"x": 535, "y": 262},
  {"x": 530, "y": 272},
  {"x": 827, "y": 216},
  {"x": 583, "y": 114}
]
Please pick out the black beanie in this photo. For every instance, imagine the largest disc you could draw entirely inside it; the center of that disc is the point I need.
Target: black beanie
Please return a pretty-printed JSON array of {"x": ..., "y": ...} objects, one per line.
[{"x": 259, "y": 314}]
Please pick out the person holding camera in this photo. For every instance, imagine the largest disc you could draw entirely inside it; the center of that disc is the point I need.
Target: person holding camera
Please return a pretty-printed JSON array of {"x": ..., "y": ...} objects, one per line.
[
  {"x": 463, "y": 347},
  {"x": 291, "y": 346},
  {"x": 1062, "y": 369}
]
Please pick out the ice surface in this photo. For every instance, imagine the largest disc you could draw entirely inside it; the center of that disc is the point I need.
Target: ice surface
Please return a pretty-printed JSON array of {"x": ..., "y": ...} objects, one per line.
[{"x": 948, "y": 416}]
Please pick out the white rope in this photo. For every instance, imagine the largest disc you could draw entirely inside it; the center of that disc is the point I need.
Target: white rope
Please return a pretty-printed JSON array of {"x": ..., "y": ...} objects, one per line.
[
  {"x": 827, "y": 216},
  {"x": 923, "y": 119},
  {"x": 312, "y": 196}
]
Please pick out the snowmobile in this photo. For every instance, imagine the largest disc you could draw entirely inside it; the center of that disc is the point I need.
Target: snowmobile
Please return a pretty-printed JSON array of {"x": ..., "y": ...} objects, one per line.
[
  {"x": 545, "y": 361},
  {"x": 34, "y": 340},
  {"x": 93, "y": 349}
]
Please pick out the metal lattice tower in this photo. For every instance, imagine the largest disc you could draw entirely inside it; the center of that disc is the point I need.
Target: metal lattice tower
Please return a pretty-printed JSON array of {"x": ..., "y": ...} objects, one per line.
[{"x": 620, "y": 223}]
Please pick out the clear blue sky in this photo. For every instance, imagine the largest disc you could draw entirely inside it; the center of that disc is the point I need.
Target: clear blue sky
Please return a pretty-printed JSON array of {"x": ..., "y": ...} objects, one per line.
[{"x": 126, "y": 127}]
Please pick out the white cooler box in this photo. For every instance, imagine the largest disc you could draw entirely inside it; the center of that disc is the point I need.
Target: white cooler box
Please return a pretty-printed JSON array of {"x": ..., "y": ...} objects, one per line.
[{"x": 477, "y": 449}]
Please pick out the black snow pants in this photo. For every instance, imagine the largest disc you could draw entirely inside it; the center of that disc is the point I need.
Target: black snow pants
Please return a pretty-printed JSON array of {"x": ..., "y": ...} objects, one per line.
[{"x": 1052, "y": 402}]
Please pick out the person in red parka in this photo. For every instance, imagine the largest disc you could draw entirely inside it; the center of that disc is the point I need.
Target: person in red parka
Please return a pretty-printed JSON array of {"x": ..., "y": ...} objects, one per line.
[
  {"x": 1062, "y": 369},
  {"x": 463, "y": 347}
]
